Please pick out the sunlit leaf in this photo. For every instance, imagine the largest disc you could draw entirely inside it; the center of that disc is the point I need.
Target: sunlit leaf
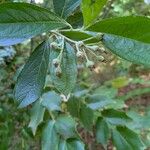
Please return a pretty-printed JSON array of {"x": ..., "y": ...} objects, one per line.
[
  {"x": 133, "y": 27},
  {"x": 91, "y": 10}
]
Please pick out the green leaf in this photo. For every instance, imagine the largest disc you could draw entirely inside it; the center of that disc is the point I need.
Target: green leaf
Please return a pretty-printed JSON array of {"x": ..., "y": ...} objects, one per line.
[
  {"x": 71, "y": 144},
  {"x": 21, "y": 21},
  {"x": 131, "y": 50},
  {"x": 86, "y": 117},
  {"x": 118, "y": 104},
  {"x": 104, "y": 90},
  {"x": 31, "y": 80},
  {"x": 81, "y": 35},
  {"x": 62, "y": 145},
  {"x": 119, "y": 141},
  {"x": 76, "y": 20},
  {"x": 73, "y": 106},
  {"x": 102, "y": 132},
  {"x": 116, "y": 117},
  {"x": 67, "y": 80},
  {"x": 37, "y": 114},
  {"x": 97, "y": 101},
  {"x": 120, "y": 82},
  {"x": 131, "y": 138},
  {"x": 140, "y": 121},
  {"x": 50, "y": 139},
  {"x": 80, "y": 93},
  {"x": 64, "y": 8},
  {"x": 66, "y": 126},
  {"x": 51, "y": 100},
  {"x": 134, "y": 93},
  {"x": 91, "y": 10},
  {"x": 133, "y": 27},
  {"x": 76, "y": 35}
]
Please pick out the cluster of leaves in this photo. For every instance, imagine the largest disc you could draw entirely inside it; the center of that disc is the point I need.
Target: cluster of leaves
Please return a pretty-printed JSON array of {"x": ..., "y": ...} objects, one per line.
[{"x": 56, "y": 59}]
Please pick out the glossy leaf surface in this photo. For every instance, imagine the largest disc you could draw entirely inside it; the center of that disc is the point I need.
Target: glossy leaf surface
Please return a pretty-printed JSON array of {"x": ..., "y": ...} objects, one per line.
[
  {"x": 131, "y": 50},
  {"x": 91, "y": 10},
  {"x": 133, "y": 27}
]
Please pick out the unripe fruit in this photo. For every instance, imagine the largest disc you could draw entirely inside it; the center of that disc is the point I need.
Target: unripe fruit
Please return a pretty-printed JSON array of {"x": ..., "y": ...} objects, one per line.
[
  {"x": 100, "y": 58},
  {"x": 102, "y": 49},
  {"x": 80, "y": 43},
  {"x": 55, "y": 45},
  {"x": 94, "y": 48},
  {"x": 90, "y": 64},
  {"x": 79, "y": 54},
  {"x": 58, "y": 71},
  {"x": 99, "y": 36}
]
